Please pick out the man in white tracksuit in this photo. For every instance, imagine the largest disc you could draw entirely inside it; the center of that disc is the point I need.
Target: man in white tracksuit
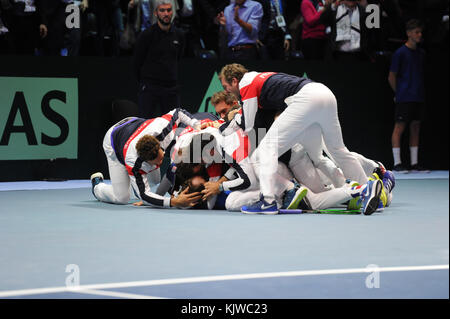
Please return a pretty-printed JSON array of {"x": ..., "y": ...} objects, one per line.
[
  {"x": 134, "y": 149},
  {"x": 303, "y": 103}
]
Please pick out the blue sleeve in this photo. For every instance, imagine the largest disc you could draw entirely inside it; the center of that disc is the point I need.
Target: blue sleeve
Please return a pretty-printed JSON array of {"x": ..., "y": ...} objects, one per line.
[
  {"x": 395, "y": 62},
  {"x": 256, "y": 18}
]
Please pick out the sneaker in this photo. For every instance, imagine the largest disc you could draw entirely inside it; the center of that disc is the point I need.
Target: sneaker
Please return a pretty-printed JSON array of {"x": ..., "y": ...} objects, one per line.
[
  {"x": 354, "y": 203},
  {"x": 293, "y": 197},
  {"x": 261, "y": 207},
  {"x": 371, "y": 196},
  {"x": 96, "y": 179},
  {"x": 399, "y": 168},
  {"x": 389, "y": 181},
  {"x": 384, "y": 193},
  {"x": 416, "y": 168}
]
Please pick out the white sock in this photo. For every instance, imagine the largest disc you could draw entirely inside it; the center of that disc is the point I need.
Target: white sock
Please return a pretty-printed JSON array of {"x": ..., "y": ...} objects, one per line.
[
  {"x": 414, "y": 150},
  {"x": 396, "y": 152}
]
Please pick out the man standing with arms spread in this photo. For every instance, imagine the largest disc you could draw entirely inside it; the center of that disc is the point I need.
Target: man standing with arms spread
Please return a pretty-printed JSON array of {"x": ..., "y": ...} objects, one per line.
[
  {"x": 157, "y": 53},
  {"x": 406, "y": 78}
]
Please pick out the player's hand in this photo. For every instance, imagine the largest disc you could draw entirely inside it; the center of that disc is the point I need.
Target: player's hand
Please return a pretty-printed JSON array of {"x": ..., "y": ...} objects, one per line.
[
  {"x": 138, "y": 203},
  {"x": 84, "y": 5},
  {"x": 215, "y": 124},
  {"x": 220, "y": 19},
  {"x": 211, "y": 189},
  {"x": 236, "y": 14},
  {"x": 186, "y": 200},
  {"x": 287, "y": 45},
  {"x": 43, "y": 30},
  {"x": 231, "y": 114}
]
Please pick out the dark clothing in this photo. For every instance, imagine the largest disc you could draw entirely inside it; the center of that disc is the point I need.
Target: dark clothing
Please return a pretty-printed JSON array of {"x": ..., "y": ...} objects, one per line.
[
  {"x": 314, "y": 48},
  {"x": 270, "y": 34},
  {"x": 244, "y": 52},
  {"x": 328, "y": 17},
  {"x": 154, "y": 100},
  {"x": 409, "y": 67},
  {"x": 106, "y": 17},
  {"x": 122, "y": 132},
  {"x": 53, "y": 15},
  {"x": 156, "y": 55},
  {"x": 409, "y": 111},
  {"x": 156, "y": 58},
  {"x": 278, "y": 87},
  {"x": 23, "y": 26}
]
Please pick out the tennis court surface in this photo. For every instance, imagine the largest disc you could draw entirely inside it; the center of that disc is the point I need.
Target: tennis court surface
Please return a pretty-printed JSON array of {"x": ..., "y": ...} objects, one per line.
[{"x": 59, "y": 242}]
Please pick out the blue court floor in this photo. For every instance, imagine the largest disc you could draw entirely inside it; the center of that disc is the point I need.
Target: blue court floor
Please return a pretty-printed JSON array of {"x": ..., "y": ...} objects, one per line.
[{"x": 59, "y": 242}]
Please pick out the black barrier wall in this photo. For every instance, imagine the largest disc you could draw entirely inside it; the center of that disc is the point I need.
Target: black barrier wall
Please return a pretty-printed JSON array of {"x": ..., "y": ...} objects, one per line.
[{"x": 365, "y": 106}]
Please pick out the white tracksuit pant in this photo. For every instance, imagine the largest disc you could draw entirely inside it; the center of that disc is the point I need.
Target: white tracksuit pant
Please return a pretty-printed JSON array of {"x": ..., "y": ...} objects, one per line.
[
  {"x": 313, "y": 104},
  {"x": 321, "y": 200},
  {"x": 119, "y": 190}
]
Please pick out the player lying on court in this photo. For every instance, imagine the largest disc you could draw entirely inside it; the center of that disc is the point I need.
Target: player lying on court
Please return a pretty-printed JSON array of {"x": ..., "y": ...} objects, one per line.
[
  {"x": 302, "y": 103},
  {"x": 315, "y": 175},
  {"x": 289, "y": 195},
  {"x": 134, "y": 149}
]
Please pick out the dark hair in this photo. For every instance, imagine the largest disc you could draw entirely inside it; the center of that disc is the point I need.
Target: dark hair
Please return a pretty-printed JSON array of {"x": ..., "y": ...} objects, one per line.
[
  {"x": 148, "y": 148},
  {"x": 413, "y": 24},
  {"x": 192, "y": 188}
]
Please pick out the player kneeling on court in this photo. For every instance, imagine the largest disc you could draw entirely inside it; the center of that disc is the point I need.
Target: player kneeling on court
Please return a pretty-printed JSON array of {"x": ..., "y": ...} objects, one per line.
[{"x": 134, "y": 149}]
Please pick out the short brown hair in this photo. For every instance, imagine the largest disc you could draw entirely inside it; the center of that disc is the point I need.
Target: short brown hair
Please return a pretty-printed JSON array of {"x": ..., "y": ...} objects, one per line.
[
  {"x": 223, "y": 96},
  {"x": 231, "y": 71},
  {"x": 413, "y": 24},
  {"x": 148, "y": 147}
]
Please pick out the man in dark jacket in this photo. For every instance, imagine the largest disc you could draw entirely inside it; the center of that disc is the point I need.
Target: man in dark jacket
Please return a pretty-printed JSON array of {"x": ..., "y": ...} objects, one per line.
[
  {"x": 157, "y": 52},
  {"x": 349, "y": 33}
]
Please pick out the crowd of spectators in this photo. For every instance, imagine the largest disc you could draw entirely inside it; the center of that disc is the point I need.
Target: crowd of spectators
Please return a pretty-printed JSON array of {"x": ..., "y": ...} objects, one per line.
[{"x": 246, "y": 29}]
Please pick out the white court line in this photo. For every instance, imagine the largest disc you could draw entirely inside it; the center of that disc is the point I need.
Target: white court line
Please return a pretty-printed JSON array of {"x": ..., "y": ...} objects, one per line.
[
  {"x": 159, "y": 282},
  {"x": 114, "y": 294}
]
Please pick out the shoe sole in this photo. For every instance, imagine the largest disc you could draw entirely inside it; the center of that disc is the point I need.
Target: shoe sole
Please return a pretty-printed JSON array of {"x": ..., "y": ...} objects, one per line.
[
  {"x": 96, "y": 175},
  {"x": 297, "y": 198},
  {"x": 372, "y": 205},
  {"x": 92, "y": 177}
]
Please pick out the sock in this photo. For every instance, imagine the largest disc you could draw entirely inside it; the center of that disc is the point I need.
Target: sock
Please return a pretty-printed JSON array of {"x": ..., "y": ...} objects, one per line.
[
  {"x": 396, "y": 152},
  {"x": 414, "y": 150}
]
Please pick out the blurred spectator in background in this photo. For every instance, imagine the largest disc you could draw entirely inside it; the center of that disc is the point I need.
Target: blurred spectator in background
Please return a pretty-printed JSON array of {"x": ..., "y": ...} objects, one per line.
[
  {"x": 314, "y": 39},
  {"x": 21, "y": 19},
  {"x": 349, "y": 33},
  {"x": 406, "y": 77},
  {"x": 207, "y": 24},
  {"x": 157, "y": 53},
  {"x": 53, "y": 26},
  {"x": 186, "y": 22},
  {"x": 5, "y": 39},
  {"x": 241, "y": 22},
  {"x": 274, "y": 39},
  {"x": 109, "y": 22}
]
